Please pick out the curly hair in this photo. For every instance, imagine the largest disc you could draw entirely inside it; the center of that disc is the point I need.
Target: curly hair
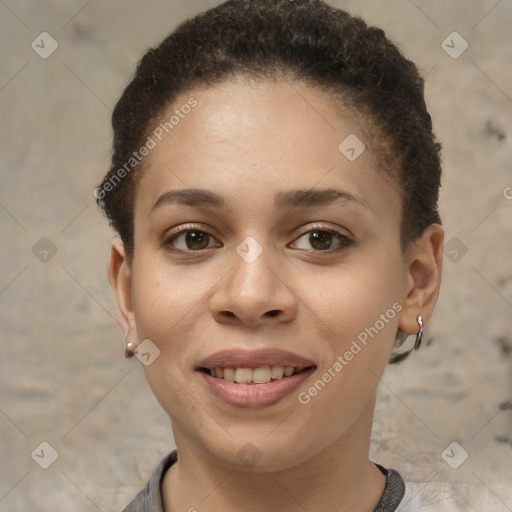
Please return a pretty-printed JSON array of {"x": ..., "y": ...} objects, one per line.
[{"x": 306, "y": 40}]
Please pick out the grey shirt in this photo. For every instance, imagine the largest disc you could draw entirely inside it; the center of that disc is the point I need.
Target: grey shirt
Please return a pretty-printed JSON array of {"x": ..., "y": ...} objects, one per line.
[{"x": 150, "y": 498}]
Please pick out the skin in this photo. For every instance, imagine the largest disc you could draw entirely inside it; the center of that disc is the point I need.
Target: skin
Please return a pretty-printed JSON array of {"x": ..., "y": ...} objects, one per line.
[{"x": 246, "y": 141}]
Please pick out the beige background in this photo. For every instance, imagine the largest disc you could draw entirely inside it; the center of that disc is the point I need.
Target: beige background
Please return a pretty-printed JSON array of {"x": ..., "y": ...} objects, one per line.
[{"x": 63, "y": 377}]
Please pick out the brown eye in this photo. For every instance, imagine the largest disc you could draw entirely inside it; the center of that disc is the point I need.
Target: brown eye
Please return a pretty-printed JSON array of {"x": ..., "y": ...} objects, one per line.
[
  {"x": 190, "y": 240},
  {"x": 196, "y": 240},
  {"x": 323, "y": 240},
  {"x": 320, "y": 240}
]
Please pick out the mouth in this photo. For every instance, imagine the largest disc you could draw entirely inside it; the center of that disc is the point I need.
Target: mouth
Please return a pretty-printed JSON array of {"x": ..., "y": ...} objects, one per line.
[{"x": 254, "y": 378}]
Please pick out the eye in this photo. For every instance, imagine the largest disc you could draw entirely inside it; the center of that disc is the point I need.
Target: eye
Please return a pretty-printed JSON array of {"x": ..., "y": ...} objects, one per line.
[
  {"x": 323, "y": 239},
  {"x": 190, "y": 239}
]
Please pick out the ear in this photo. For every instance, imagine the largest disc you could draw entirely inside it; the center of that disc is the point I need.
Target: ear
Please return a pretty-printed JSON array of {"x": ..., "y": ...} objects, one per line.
[
  {"x": 120, "y": 277},
  {"x": 424, "y": 260}
]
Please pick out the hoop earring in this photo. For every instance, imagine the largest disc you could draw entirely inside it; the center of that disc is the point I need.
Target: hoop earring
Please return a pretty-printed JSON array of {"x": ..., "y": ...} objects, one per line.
[{"x": 419, "y": 334}]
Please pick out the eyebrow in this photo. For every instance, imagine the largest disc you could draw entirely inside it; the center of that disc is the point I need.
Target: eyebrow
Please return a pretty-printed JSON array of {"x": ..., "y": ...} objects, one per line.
[{"x": 282, "y": 199}]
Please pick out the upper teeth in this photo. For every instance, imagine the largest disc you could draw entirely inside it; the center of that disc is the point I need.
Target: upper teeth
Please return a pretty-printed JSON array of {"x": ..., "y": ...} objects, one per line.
[{"x": 259, "y": 375}]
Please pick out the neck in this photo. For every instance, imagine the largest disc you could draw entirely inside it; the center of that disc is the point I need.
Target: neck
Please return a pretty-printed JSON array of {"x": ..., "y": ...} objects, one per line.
[{"x": 338, "y": 478}]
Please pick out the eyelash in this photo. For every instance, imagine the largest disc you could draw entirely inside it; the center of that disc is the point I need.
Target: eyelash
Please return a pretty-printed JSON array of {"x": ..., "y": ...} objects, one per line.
[{"x": 344, "y": 240}]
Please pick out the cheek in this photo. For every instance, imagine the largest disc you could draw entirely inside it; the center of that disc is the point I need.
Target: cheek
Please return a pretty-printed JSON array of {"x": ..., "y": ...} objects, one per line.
[
  {"x": 360, "y": 304},
  {"x": 166, "y": 306},
  {"x": 166, "y": 300},
  {"x": 360, "y": 313},
  {"x": 345, "y": 302}
]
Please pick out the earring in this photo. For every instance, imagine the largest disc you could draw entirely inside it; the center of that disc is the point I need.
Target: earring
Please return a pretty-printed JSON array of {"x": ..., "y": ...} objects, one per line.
[
  {"x": 419, "y": 334},
  {"x": 129, "y": 350}
]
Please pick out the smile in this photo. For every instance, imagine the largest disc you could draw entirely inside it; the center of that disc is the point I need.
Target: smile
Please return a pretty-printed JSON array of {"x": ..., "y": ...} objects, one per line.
[
  {"x": 254, "y": 379},
  {"x": 260, "y": 375}
]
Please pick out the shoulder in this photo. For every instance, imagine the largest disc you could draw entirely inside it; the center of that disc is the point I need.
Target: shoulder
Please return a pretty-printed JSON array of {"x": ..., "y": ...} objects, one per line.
[
  {"x": 149, "y": 499},
  {"x": 445, "y": 494},
  {"x": 394, "y": 491}
]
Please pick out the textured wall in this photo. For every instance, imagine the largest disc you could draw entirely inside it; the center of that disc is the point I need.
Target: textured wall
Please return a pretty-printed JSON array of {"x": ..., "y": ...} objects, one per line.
[{"x": 63, "y": 377}]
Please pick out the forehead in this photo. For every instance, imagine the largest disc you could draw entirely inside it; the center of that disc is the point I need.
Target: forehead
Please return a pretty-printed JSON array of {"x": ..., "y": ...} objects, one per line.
[{"x": 246, "y": 140}]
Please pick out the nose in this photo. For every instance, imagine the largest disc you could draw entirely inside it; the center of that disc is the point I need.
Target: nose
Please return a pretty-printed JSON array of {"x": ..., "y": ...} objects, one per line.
[{"x": 253, "y": 294}]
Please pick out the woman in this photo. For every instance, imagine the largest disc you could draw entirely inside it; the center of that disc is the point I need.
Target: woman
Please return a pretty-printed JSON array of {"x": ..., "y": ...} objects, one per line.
[{"x": 274, "y": 182}]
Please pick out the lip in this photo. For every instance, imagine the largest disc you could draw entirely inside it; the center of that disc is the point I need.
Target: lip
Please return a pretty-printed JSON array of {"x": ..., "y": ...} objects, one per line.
[
  {"x": 254, "y": 395},
  {"x": 238, "y": 358}
]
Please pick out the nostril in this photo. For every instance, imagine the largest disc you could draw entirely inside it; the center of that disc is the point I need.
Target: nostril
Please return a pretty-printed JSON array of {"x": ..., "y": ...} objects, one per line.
[{"x": 274, "y": 312}]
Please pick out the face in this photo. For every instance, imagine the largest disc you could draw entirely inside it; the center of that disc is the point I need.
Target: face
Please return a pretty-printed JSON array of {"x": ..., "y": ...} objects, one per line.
[{"x": 289, "y": 257}]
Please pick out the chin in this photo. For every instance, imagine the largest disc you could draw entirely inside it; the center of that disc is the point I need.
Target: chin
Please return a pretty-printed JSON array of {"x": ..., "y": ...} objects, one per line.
[{"x": 258, "y": 454}]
